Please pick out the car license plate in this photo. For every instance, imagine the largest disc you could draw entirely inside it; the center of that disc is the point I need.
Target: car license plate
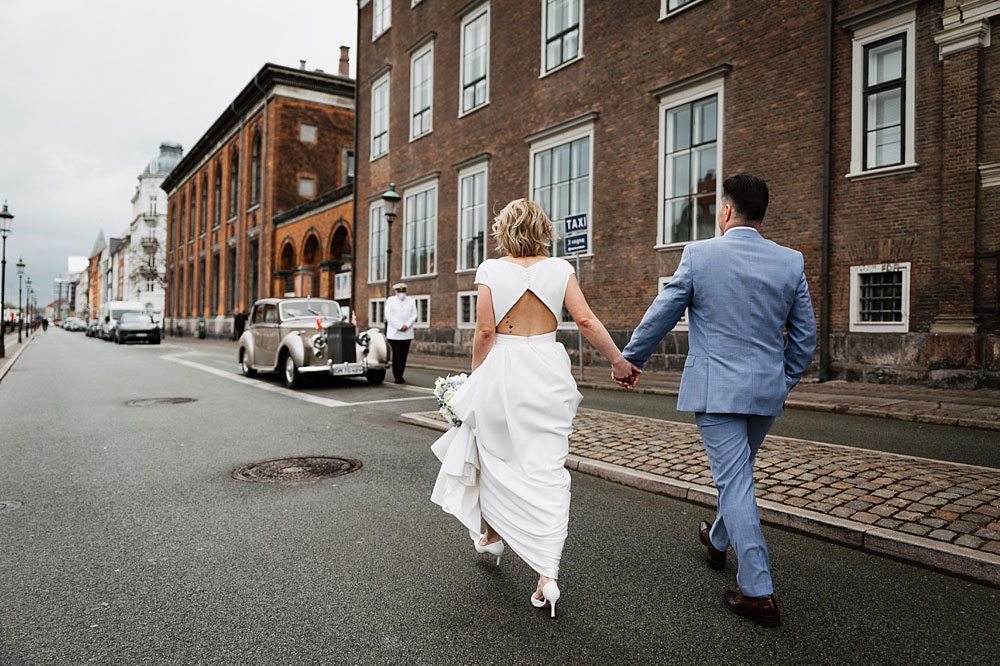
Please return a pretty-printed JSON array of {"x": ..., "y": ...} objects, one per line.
[
  {"x": 140, "y": 335},
  {"x": 348, "y": 369}
]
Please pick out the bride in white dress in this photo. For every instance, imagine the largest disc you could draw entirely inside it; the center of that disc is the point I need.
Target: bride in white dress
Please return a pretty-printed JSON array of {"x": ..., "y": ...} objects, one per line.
[{"x": 504, "y": 467}]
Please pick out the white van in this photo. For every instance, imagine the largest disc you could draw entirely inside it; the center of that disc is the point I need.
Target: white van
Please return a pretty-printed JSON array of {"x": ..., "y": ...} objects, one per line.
[{"x": 111, "y": 314}]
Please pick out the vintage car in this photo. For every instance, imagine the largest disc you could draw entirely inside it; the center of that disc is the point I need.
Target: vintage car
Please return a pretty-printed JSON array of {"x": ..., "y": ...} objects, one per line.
[{"x": 297, "y": 336}]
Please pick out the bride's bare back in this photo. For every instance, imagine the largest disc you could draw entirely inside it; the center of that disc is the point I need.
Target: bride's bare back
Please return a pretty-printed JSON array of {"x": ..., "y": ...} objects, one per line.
[{"x": 529, "y": 316}]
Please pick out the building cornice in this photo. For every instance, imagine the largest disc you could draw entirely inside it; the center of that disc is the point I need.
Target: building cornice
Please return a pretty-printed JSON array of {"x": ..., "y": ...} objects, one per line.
[
  {"x": 586, "y": 118},
  {"x": 876, "y": 14},
  {"x": 472, "y": 161},
  {"x": 420, "y": 43},
  {"x": 421, "y": 180},
  {"x": 693, "y": 80},
  {"x": 380, "y": 72},
  {"x": 255, "y": 92},
  {"x": 469, "y": 7}
]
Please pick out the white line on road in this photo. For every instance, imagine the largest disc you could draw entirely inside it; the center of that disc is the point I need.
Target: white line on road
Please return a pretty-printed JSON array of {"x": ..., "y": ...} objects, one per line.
[{"x": 298, "y": 395}]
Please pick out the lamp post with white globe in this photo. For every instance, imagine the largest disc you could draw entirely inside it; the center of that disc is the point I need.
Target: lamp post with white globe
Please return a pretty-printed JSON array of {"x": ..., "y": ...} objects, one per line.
[
  {"x": 20, "y": 314},
  {"x": 6, "y": 218}
]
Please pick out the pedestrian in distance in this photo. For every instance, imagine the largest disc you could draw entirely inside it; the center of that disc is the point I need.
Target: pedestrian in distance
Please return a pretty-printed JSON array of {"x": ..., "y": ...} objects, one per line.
[
  {"x": 400, "y": 316},
  {"x": 742, "y": 292},
  {"x": 504, "y": 467},
  {"x": 239, "y": 323}
]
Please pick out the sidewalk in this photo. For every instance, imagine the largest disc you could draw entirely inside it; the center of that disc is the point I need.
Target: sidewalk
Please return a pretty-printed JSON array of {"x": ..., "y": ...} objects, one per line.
[
  {"x": 937, "y": 514},
  {"x": 971, "y": 409},
  {"x": 12, "y": 349}
]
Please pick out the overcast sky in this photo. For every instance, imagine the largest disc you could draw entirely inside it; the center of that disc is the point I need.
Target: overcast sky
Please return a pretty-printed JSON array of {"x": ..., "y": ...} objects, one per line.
[{"x": 91, "y": 87}]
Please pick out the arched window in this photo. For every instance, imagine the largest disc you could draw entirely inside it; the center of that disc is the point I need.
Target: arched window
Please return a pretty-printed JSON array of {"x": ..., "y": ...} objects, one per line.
[
  {"x": 255, "y": 171},
  {"x": 194, "y": 195},
  {"x": 180, "y": 227},
  {"x": 234, "y": 181},
  {"x": 288, "y": 266},
  {"x": 217, "y": 195},
  {"x": 203, "y": 225}
]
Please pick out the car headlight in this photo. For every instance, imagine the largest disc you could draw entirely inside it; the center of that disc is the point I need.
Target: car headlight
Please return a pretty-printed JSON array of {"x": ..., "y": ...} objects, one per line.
[
  {"x": 318, "y": 343},
  {"x": 364, "y": 339}
]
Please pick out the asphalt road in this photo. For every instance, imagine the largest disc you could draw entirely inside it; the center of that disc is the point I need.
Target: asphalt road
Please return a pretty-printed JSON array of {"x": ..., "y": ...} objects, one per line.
[{"x": 135, "y": 546}]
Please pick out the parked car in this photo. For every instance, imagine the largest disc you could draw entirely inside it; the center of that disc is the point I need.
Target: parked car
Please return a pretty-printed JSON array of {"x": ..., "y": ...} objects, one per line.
[
  {"x": 93, "y": 328},
  {"x": 138, "y": 327},
  {"x": 297, "y": 336},
  {"x": 73, "y": 324}
]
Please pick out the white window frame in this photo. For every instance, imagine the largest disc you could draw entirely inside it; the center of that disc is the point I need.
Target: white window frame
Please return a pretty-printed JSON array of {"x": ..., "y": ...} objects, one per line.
[
  {"x": 666, "y": 13},
  {"x": 414, "y": 3},
  {"x": 407, "y": 194},
  {"x": 373, "y": 311},
  {"x": 467, "y": 19},
  {"x": 714, "y": 86},
  {"x": 375, "y": 212},
  {"x": 474, "y": 295},
  {"x": 858, "y": 326},
  {"x": 384, "y": 79},
  {"x": 303, "y": 131},
  {"x": 682, "y": 323},
  {"x": 904, "y": 23},
  {"x": 472, "y": 170},
  {"x": 585, "y": 130},
  {"x": 422, "y": 51},
  {"x": 312, "y": 181},
  {"x": 422, "y": 323},
  {"x": 579, "y": 53},
  {"x": 386, "y": 6}
]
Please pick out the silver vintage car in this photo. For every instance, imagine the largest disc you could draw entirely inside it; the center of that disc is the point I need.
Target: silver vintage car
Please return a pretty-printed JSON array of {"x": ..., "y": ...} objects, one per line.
[{"x": 295, "y": 336}]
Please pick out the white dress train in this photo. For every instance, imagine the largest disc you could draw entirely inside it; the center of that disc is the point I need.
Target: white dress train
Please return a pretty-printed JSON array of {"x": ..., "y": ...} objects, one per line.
[{"x": 506, "y": 463}]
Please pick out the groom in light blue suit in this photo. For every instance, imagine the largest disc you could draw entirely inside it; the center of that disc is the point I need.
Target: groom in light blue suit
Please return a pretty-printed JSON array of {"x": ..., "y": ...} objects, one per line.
[{"x": 742, "y": 293}]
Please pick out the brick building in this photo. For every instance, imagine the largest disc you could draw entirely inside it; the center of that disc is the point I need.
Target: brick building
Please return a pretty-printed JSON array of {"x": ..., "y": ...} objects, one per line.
[
  {"x": 883, "y": 159},
  {"x": 262, "y": 205}
]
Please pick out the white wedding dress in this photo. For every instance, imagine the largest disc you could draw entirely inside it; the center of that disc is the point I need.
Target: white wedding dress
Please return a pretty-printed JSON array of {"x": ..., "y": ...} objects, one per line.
[{"x": 505, "y": 464}]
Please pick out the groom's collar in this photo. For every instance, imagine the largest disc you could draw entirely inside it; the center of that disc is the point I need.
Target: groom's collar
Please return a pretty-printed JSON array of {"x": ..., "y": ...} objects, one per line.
[{"x": 744, "y": 228}]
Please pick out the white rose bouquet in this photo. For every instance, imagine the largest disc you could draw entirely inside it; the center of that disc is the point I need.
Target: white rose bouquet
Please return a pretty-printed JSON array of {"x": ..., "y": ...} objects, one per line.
[{"x": 444, "y": 391}]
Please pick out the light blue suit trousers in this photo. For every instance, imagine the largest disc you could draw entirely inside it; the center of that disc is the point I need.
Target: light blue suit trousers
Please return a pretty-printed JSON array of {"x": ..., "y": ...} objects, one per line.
[{"x": 743, "y": 294}]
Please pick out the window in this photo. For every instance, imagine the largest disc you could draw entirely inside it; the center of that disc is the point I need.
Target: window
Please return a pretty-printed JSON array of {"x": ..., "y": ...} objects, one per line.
[
  {"x": 475, "y": 66},
  {"x": 307, "y": 187},
  {"x": 215, "y": 284},
  {"x": 423, "y": 311},
  {"x": 255, "y": 171},
  {"x": 191, "y": 219},
  {"x": 566, "y": 319},
  {"x": 380, "y": 117},
  {"x": 884, "y": 97},
  {"x": 376, "y": 243},
  {"x": 690, "y": 170},
  {"x": 420, "y": 232},
  {"x": 562, "y": 38},
  {"x": 381, "y": 17},
  {"x": 152, "y": 204},
  {"x": 234, "y": 182},
  {"x": 173, "y": 292},
  {"x": 682, "y": 323},
  {"x": 217, "y": 196},
  {"x": 348, "y": 174},
  {"x": 471, "y": 217},
  {"x": 671, "y": 7},
  {"x": 376, "y": 311},
  {"x": 201, "y": 287},
  {"x": 421, "y": 91},
  {"x": 467, "y": 309},
  {"x": 880, "y": 298},
  {"x": 560, "y": 177},
  {"x": 203, "y": 223},
  {"x": 253, "y": 267},
  {"x": 231, "y": 281},
  {"x": 307, "y": 133}
]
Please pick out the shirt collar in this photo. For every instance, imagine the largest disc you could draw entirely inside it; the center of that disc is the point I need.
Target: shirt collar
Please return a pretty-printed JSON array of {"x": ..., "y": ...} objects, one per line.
[{"x": 741, "y": 227}]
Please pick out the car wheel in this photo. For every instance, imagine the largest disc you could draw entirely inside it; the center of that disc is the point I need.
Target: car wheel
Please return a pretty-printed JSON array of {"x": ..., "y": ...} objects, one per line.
[
  {"x": 375, "y": 377},
  {"x": 155, "y": 341},
  {"x": 292, "y": 376},
  {"x": 245, "y": 366}
]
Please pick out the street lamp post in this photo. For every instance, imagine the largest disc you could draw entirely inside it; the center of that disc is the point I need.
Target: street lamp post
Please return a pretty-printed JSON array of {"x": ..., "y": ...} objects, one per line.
[
  {"x": 6, "y": 218},
  {"x": 27, "y": 302},
  {"x": 20, "y": 314},
  {"x": 391, "y": 199}
]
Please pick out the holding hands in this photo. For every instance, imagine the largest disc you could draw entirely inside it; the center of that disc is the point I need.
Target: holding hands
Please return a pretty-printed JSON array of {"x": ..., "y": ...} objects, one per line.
[{"x": 624, "y": 373}]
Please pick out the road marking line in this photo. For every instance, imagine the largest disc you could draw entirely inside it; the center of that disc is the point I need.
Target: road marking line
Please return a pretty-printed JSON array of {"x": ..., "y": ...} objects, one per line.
[{"x": 298, "y": 395}]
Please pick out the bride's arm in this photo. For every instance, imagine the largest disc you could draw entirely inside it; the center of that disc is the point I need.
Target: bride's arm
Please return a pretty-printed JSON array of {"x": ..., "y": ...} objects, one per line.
[
  {"x": 486, "y": 326},
  {"x": 594, "y": 330}
]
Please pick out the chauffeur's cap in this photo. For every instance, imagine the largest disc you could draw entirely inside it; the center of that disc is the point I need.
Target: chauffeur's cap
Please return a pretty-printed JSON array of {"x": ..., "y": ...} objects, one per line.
[{"x": 399, "y": 286}]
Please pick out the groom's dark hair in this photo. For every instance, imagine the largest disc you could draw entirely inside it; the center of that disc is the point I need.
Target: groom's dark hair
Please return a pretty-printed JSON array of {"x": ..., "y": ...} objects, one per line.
[{"x": 748, "y": 195}]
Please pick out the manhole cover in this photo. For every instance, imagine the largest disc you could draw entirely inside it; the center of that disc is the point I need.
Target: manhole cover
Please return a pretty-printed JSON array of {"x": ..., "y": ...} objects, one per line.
[
  {"x": 149, "y": 402},
  {"x": 296, "y": 470},
  {"x": 9, "y": 505}
]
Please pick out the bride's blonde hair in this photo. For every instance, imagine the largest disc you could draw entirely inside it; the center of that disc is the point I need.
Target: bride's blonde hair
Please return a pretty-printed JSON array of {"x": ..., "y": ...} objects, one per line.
[{"x": 522, "y": 229}]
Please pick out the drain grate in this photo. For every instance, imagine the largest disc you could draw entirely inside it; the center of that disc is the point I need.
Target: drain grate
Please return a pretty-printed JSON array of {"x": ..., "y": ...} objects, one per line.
[
  {"x": 149, "y": 402},
  {"x": 296, "y": 470},
  {"x": 9, "y": 505}
]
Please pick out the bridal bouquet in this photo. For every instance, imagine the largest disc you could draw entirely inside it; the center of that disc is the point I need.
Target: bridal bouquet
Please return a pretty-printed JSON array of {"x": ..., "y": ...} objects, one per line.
[{"x": 444, "y": 390}]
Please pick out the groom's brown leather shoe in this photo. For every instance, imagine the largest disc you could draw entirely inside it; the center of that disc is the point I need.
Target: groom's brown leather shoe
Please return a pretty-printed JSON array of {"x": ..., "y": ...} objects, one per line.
[
  {"x": 716, "y": 558},
  {"x": 762, "y": 610}
]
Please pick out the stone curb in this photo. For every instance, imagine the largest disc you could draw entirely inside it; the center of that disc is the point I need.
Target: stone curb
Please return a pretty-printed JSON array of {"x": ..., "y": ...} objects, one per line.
[
  {"x": 10, "y": 363},
  {"x": 956, "y": 560},
  {"x": 799, "y": 403}
]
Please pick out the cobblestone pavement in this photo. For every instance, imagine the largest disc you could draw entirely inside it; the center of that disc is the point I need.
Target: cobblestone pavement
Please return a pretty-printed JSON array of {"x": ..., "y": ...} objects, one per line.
[
  {"x": 947, "y": 502},
  {"x": 969, "y": 408}
]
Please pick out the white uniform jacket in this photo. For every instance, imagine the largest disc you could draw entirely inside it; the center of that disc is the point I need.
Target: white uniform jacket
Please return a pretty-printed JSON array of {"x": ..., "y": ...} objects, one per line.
[{"x": 400, "y": 312}]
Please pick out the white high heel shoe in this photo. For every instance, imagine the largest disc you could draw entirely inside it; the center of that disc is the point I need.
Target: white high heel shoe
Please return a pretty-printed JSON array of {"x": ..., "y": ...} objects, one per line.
[
  {"x": 495, "y": 548},
  {"x": 550, "y": 595}
]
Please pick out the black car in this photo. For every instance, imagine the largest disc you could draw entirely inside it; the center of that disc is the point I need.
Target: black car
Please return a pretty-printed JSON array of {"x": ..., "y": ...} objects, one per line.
[{"x": 137, "y": 327}]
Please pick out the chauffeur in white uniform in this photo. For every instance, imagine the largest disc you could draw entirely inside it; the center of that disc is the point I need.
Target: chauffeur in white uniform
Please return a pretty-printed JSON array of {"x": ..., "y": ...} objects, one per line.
[{"x": 400, "y": 315}]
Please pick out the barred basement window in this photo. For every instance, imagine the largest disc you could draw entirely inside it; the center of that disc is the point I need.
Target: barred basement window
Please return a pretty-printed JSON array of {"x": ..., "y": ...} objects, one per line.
[
  {"x": 467, "y": 302},
  {"x": 423, "y": 311},
  {"x": 376, "y": 311},
  {"x": 880, "y": 298}
]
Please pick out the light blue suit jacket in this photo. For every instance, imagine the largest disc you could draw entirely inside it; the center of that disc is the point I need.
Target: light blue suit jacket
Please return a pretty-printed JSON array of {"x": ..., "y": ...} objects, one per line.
[{"x": 742, "y": 292}]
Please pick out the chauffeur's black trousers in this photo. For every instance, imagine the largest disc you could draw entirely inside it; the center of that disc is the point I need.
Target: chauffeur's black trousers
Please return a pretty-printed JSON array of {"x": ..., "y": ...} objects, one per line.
[{"x": 400, "y": 349}]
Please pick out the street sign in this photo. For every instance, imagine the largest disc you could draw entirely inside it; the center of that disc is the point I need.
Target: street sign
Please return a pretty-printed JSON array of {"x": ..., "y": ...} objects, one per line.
[
  {"x": 576, "y": 223},
  {"x": 577, "y": 244}
]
